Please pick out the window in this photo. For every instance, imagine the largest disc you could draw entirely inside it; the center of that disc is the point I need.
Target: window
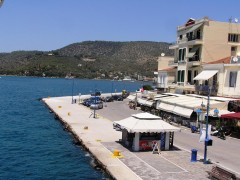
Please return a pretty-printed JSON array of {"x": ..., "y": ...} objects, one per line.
[
  {"x": 233, "y": 38},
  {"x": 232, "y": 79},
  {"x": 195, "y": 74},
  {"x": 180, "y": 37},
  {"x": 189, "y": 76},
  {"x": 233, "y": 48},
  {"x": 181, "y": 54},
  {"x": 181, "y": 76}
]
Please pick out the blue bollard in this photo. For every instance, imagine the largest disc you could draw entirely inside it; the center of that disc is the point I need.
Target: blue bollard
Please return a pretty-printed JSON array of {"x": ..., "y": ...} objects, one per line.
[{"x": 194, "y": 155}]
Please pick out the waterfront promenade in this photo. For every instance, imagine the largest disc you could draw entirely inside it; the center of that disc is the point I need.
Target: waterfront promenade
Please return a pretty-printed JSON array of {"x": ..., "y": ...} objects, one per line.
[{"x": 100, "y": 139}]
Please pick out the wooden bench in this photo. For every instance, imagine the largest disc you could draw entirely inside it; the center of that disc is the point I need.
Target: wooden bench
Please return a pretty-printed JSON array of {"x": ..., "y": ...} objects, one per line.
[{"x": 221, "y": 174}]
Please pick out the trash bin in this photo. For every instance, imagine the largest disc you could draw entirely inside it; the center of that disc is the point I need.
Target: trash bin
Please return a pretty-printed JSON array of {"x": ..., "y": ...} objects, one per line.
[{"x": 194, "y": 155}]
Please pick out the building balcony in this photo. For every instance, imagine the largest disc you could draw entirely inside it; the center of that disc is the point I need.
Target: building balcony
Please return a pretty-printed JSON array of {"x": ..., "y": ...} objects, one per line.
[
  {"x": 194, "y": 61},
  {"x": 194, "y": 37},
  {"x": 181, "y": 88},
  {"x": 194, "y": 58},
  {"x": 182, "y": 62}
]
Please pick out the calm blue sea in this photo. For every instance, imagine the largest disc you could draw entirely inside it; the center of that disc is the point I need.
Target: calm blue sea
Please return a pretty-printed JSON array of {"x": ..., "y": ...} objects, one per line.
[{"x": 33, "y": 145}]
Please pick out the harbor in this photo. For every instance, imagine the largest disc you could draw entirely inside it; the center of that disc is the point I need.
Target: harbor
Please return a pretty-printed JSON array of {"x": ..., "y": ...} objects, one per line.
[{"x": 98, "y": 137}]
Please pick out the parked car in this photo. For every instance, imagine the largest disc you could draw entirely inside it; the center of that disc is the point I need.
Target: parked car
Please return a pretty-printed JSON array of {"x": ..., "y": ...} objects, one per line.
[
  {"x": 96, "y": 105},
  {"x": 109, "y": 99},
  {"x": 117, "y": 98},
  {"x": 97, "y": 93},
  {"x": 87, "y": 102}
]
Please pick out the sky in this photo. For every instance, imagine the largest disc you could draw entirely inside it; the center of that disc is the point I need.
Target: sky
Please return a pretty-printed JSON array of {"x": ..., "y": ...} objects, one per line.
[{"x": 47, "y": 25}]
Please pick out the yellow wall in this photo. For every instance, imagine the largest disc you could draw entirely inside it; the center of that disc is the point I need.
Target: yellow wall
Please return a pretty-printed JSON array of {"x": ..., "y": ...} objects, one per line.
[
  {"x": 215, "y": 40},
  {"x": 163, "y": 62}
]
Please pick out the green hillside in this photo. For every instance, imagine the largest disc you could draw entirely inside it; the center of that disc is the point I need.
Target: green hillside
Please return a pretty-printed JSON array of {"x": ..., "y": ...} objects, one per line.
[{"x": 89, "y": 59}]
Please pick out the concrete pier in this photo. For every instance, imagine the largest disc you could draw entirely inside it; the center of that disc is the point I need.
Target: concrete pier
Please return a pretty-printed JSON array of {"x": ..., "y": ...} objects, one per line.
[
  {"x": 101, "y": 140},
  {"x": 91, "y": 132}
]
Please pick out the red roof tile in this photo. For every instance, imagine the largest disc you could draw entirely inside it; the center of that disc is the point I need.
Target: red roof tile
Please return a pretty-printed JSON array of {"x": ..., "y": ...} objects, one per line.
[{"x": 226, "y": 60}]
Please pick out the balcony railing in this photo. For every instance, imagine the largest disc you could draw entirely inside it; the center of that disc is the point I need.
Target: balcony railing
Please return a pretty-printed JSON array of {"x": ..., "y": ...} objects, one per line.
[
  {"x": 193, "y": 37},
  {"x": 194, "y": 58},
  {"x": 181, "y": 62},
  {"x": 203, "y": 89}
]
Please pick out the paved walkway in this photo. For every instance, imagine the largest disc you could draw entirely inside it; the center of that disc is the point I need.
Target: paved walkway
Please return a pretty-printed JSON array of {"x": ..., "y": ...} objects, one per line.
[
  {"x": 167, "y": 165},
  {"x": 99, "y": 137}
]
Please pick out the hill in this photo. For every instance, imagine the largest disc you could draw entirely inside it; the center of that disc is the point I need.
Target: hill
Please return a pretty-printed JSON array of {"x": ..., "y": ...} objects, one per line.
[{"x": 88, "y": 59}]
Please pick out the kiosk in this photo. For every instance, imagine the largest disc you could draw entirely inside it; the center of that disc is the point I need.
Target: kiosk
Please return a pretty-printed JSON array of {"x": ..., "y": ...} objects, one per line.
[{"x": 142, "y": 131}]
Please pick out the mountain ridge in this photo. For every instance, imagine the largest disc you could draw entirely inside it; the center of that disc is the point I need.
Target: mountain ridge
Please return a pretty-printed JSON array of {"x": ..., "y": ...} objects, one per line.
[{"x": 88, "y": 59}]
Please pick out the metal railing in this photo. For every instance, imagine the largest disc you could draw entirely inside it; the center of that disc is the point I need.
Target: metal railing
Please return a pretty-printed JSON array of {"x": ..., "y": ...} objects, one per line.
[
  {"x": 193, "y": 37},
  {"x": 203, "y": 89},
  {"x": 194, "y": 58}
]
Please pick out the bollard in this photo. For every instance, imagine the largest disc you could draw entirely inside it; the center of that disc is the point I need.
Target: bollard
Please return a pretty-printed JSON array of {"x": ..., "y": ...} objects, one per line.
[
  {"x": 194, "y": 155},
  {"x": 116, "y": 153}
]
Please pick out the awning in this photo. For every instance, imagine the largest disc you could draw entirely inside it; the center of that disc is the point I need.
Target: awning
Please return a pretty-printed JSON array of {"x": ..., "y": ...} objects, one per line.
[
  {"x": 193, "y": 52},
  {"x": 141, "y": 101},
  {"x": 166, "y": 107},
  {"x": 131, "y": 97},
  {"x": 231, "y": 116},
  {"x": 195, "y": 27},
  {"x": 205, "y": 75},
  {"x": 181, "y": 111},
  {"x": 149, "y": 103}
]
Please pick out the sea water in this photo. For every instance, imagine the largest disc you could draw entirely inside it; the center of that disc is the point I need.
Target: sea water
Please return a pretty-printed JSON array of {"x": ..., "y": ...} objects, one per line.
[{"x": 34, "y": 144}]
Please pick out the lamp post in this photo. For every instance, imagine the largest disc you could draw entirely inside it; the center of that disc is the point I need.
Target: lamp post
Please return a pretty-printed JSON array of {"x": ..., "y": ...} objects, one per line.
[
  {"x": 72, "y": 89},
  {"x": 206, "y": 137},
  {"x": 94, "y": 109},
  {"x": 112, "y": 89}
]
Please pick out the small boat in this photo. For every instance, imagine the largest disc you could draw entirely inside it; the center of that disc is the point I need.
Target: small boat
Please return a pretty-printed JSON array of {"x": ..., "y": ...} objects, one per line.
[{"x": 127, "y": 78}]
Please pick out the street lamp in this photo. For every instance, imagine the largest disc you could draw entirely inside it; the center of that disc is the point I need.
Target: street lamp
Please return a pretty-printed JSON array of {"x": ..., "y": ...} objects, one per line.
[
  {"x": 95, "y": 103},
  {"x": 72, "y": 90},
  {"x": 207, "y": 142}
]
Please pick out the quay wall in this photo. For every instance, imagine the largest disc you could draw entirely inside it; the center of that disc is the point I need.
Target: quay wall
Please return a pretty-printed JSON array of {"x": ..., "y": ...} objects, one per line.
[{"x": 90, "y": 132}]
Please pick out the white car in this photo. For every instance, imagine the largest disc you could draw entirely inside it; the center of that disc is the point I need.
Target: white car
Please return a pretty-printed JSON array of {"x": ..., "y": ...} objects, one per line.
[{"x": 97, "y": 105}]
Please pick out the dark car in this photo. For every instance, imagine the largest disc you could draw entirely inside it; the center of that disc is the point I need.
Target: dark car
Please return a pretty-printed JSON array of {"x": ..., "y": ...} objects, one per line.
[
  {"x": 117, "y": 98},
  {"x": 97, "y": 93},
  {"x": 88, "y": 102},
  {"x": 109, "y": 99}
]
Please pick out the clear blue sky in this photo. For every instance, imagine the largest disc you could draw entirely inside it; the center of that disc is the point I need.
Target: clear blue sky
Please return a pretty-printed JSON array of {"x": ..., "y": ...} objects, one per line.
[{"x": 52, "y": 24}]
